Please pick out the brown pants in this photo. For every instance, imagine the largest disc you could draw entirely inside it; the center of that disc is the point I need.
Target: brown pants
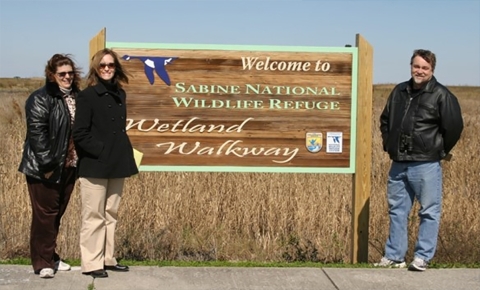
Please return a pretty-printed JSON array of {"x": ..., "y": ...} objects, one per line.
[
  {"x": 49, "y": 202},
  {"x": 100, "y": 202}
]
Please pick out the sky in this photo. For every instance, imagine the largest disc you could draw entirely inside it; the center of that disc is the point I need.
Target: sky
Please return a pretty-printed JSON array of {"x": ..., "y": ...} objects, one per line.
[{"x": 31, "y": 31}]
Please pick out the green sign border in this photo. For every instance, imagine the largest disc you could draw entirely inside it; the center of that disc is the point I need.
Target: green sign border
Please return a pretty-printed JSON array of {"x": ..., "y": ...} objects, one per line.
[{"x": 353, "y": 127}]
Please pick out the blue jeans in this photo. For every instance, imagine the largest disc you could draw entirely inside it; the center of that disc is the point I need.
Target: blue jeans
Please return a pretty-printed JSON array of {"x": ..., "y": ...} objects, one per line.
[{"x": 407, "y": 181}]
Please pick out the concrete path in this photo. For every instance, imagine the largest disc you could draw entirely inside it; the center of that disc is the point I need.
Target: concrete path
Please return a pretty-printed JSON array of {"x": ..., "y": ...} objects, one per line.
[{"x": 233, "y": 278}]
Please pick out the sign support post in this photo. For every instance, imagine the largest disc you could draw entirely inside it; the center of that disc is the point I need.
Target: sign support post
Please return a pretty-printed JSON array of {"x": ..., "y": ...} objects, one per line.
[
  {"x": 363, "y": 166},
  {"x": 97, "y": 43}
]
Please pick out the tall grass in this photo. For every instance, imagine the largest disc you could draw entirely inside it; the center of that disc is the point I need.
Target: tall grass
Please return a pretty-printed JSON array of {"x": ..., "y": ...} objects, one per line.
[{"x": 248, "y": 216}]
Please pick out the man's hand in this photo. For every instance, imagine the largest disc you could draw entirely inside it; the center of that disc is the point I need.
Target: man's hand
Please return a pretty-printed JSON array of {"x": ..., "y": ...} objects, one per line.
[{"x": 448, "y": 157}]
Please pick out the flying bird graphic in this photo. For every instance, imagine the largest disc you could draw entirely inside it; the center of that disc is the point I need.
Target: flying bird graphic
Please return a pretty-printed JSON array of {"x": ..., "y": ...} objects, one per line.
[{"x": 152, "y": 63}]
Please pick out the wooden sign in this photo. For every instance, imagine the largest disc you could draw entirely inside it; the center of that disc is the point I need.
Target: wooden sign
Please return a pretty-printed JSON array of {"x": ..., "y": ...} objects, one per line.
[
  {"x": 254, "y": 109},
  {"x": 241, "y": 108}
]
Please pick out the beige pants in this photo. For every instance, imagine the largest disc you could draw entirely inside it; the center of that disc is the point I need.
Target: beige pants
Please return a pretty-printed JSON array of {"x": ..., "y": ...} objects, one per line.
[{"x": 100, "y": 202}]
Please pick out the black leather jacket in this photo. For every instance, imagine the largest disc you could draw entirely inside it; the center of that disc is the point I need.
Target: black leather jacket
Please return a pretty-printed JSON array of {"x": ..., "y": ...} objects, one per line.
[
  {"x": 420, "y": 126},
  {"x": 48, "y": 132}
]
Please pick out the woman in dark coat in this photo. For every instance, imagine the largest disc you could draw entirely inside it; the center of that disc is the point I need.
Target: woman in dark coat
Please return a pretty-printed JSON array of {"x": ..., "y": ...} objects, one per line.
[
  {"x": 105, "y": 160},
  {"x": 49, "y": 160}
]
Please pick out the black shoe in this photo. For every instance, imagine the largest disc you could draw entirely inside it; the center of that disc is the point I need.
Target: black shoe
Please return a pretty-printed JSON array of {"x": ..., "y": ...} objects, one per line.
[
  {"x": 97, "y": 274},
  {"x": 117, "y": 267}
]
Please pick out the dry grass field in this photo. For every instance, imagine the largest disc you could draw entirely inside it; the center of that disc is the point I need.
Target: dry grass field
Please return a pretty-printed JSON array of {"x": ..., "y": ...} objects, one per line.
[{"x": 247, "y": 216}]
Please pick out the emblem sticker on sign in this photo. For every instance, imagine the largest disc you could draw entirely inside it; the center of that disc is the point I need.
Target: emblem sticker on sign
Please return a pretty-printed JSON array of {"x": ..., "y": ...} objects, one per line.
[
  {"x": 334, "y": 142},
  {"x": 314, "y": 142}
]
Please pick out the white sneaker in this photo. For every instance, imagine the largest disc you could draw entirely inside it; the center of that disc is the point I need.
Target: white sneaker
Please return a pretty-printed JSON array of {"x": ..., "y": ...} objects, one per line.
[
  {"x": 387, "y": 263},
  {"x": 418, "y": 265},
  {"x": 47, "y": 273},
  {"x": 62, "y": 266}
]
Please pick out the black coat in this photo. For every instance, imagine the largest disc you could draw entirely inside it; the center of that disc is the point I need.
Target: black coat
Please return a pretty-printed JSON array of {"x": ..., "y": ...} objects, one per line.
[
  {"x": 102, "y": 144},
  {"x": 48, "y": 133},
  {"x": 421, "y": 126}
]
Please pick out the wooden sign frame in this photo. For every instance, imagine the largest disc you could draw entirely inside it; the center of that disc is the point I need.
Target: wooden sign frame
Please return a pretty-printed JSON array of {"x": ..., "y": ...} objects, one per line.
[{"x": 360, "y": 141}]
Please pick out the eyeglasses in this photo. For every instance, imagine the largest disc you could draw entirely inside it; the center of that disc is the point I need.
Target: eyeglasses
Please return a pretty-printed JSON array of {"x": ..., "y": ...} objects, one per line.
[
  {"x": 104, "y": 65},
  {"x": 64, "y": 73}
]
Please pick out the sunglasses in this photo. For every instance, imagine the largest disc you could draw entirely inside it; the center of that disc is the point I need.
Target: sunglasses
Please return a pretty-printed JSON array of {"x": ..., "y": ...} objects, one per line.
[
  {"x": 64, "y": 73},
  {"x": 104, "y": 65}
]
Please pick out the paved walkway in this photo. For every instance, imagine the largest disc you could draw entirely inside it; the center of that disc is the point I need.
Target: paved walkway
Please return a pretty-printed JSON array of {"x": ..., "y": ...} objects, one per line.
[{"x": 226, "y": 278}]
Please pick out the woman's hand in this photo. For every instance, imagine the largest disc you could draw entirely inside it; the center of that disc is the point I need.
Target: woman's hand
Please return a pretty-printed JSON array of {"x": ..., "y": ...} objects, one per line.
[{"x": 48, "y": 174}]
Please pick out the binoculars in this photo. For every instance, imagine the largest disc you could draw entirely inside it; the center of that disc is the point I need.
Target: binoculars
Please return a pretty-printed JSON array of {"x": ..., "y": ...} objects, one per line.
[{"x": 406, "y": 143}]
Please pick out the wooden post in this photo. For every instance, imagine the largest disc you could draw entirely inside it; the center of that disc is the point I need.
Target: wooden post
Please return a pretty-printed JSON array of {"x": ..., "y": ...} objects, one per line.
[
  {"x": 363, "y": 166},
  {"x": 98, "y": 42}
]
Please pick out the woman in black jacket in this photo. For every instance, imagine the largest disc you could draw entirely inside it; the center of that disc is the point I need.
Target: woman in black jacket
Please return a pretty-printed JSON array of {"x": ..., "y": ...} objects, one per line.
[
  {"x": 105, "y": 160},
  {"x": 49, "y": 160}
]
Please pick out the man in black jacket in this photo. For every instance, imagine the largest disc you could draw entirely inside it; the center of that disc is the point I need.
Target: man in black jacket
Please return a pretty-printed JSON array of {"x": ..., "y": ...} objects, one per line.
[{"x": 420, "y": 125}]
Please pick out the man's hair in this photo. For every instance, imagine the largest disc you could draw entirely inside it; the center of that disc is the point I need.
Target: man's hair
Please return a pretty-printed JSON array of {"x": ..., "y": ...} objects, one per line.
[{"x": 427, "y": 55}]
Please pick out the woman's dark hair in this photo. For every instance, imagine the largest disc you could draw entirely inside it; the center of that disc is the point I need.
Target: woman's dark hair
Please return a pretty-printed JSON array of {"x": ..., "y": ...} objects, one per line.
[{"x": 58, "y": 60}]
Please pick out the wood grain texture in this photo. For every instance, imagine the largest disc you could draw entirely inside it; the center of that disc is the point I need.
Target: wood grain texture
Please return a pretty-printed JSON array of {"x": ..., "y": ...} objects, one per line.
[
  {"x": 363, "y": 166},
  {"x": 211, "y": 89},
  {"x": 97, "y": 42}
]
